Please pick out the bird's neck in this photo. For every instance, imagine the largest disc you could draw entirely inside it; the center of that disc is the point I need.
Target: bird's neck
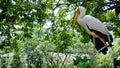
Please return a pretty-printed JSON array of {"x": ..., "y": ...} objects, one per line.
[
  {"x": 82, "y": 15},
  {"x": 82, "y": 23}
]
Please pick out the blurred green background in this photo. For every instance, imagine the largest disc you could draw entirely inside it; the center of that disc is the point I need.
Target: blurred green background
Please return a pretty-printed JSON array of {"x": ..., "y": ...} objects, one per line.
[{"x": 38, "y": 34}]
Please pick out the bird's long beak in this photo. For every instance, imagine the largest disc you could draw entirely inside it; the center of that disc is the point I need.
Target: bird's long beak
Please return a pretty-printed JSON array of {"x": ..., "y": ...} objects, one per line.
[{"x": 75, "y": 19}]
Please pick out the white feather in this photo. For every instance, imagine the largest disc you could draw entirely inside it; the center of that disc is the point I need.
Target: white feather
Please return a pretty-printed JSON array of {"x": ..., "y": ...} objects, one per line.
[{"x": 95, "y": 24}]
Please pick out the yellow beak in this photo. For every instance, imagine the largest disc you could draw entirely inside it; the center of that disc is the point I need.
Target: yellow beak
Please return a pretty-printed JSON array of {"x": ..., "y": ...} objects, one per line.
[{"x": 75, "y": 19}]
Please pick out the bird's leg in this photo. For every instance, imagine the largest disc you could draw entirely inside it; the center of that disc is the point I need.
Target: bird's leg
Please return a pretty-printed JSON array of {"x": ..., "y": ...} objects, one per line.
[
  {"x": 94, "y": 35},
  {"x": 104, "y": 43},
  {"x": 102, "y": 48},
  {"x": 94, "y": 41}
]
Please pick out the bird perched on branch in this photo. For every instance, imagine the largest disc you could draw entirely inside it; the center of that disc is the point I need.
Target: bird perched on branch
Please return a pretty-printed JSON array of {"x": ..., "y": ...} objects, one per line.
[{"x": 98, "y": 32}]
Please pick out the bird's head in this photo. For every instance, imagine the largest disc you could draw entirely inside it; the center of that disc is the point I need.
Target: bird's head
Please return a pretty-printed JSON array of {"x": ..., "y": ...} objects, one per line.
[{"x": 79, "y": 12}]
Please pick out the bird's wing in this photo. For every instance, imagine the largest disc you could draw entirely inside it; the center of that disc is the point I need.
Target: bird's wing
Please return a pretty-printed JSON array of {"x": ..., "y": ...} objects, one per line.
[{"x": 95, "y": 24}]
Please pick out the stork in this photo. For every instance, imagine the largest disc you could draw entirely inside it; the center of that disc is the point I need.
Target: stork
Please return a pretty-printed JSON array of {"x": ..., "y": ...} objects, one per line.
[{"x": 98, "y": 32}]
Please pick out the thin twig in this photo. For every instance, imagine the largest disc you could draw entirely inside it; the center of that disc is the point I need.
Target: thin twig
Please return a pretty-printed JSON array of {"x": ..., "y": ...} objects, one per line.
[{"x": 64, "y": 59}]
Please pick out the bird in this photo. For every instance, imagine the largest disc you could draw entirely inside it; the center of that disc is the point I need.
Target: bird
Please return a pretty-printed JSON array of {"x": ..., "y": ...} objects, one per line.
[{"x": 98, "y": 32}]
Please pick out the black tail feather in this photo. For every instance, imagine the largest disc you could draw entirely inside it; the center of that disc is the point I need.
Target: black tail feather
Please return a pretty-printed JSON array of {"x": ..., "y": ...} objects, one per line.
[
  {"x": 111, "y": 40},
  {"x": 110, "y": 45}
]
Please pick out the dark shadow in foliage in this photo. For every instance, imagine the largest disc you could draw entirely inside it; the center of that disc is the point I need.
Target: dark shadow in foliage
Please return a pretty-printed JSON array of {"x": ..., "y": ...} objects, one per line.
[{"x": 116, "y": 63}]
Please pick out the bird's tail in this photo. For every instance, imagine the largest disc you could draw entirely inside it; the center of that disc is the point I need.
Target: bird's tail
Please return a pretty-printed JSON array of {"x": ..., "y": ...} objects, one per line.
[
  {"x": 111, "y": 40},
  {"x": 110, "y": 45}
]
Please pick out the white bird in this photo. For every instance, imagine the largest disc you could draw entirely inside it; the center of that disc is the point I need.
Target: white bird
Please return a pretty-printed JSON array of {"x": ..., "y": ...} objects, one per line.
[{"x": 95, "y": 28}]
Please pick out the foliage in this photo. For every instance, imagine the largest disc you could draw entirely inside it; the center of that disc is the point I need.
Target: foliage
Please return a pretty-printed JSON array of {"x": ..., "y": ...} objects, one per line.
[{"x": 83, "y": 62}]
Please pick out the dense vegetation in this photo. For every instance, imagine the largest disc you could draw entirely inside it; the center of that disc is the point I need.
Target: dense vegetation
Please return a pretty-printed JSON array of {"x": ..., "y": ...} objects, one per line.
[{"x": 38, "y": 34}]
